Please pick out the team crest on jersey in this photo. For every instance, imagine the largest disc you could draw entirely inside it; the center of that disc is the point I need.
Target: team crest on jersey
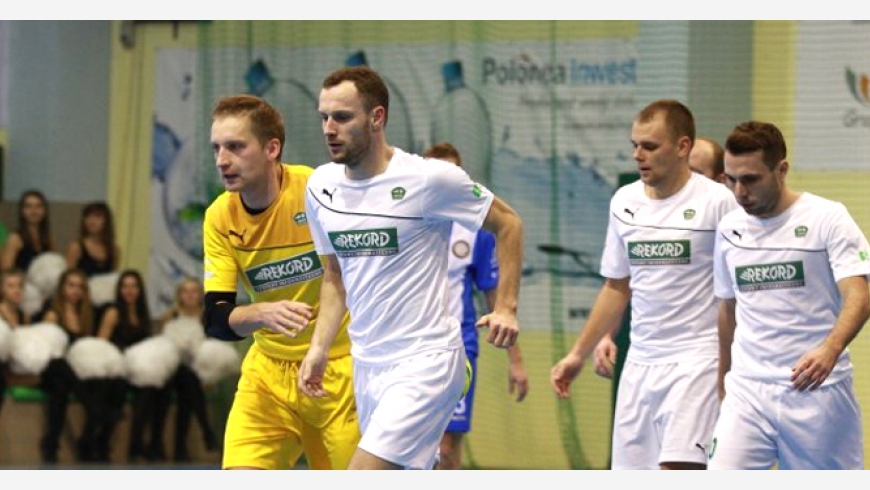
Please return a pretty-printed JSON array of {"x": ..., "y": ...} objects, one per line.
[
  {"x": 300, "y": 218},
  {"x": 782, "y": 275},
  {"x": 660, "y": 252},
  {"x": 800, "y": 231},
  {"x": 365, "y": 243},
  {"x": 863, "y": 256},
  {"x": 477, "y": 190},
  {"x": 283, "y": 272},
  {"x": 397, "y": 193},
  {"x": 461, "y": 249},
  {"x": 688, "y": 214}
]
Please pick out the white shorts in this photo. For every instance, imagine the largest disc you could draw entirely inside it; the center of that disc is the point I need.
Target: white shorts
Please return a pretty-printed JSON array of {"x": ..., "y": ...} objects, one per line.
[
  {"x": 664, "y": 413},
  {"x": 404, "y": 408},
  {"x": 763, "y": 424}
]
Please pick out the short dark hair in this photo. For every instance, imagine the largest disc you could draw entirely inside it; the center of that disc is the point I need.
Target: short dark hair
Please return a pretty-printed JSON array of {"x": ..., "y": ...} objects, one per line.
[
  {"x": 369, "y": 84},
  {"x": 678, "y": 118},
  {"x": 443, "y": 150},
  {"x": 266, "y": 122},
  {"x": 752, "y": 136}
]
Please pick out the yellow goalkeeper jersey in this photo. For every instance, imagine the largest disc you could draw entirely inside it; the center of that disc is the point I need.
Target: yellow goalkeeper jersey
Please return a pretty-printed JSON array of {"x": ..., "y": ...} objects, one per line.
[{"x": 273, "y": 256}]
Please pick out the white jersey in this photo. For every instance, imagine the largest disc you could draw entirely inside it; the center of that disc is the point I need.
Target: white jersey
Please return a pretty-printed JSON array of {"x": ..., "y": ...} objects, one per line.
[
  {"x": 462, "y": 243},
  {"x": 783, "y": 272},
  {"x": 666, "y": 247},
  {"x": 390, "y": 234}
]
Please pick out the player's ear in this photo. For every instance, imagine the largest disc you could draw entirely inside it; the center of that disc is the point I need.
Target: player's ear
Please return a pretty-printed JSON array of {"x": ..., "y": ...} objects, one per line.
[{"x": 273, "y": 148}]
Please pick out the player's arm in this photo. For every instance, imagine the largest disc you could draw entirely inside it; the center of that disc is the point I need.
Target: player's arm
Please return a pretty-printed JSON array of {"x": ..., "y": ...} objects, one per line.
[
  {"x": 332, "y": 310},
  {"x": 225, "y": 320},
  {"x": 518, "y": 377},
  {"x": 607, "y": 311},
  {"x": 222, "y": 317},
  {"x": 504, "y": 222},
  {"x": 814, "y": 367},
  {"x": 604, "y": 355},
  {"x": 727, "y": 324}
]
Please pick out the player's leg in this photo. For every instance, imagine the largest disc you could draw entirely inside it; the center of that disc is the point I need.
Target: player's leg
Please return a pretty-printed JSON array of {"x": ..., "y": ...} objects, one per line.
[
  {"x": 405, "y": 407},
  {"x": 263, "y": 430},
  {"x": 450, "y": 450},
  {"x": 687, "y": 411},
  {"x": 821, "y": 429},
  {"x": 331, "y": 430},
  {"x": 744, "y": 437},
  {"x": 635, "y": 444}
]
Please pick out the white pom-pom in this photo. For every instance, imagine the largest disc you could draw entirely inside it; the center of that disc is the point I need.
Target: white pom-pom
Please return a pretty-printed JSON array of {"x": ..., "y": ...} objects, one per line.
[
  {"x": 151, "y": 362},
  {"x": 102, "y": 288},
  {"x": 34, "y": 346},
  {"x": 215, "y": 360},
  {"x": 93, "y": 357},
  {"x": 5, "y": 341},
  {"x": 187, "y": 333},
  {"x": 45, "y": 271},
  {"x": 33, "y": 299}
]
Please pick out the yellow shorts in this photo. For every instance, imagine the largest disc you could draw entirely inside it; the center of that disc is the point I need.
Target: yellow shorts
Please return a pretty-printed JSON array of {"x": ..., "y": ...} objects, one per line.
[{"x": 272, "y": 423}]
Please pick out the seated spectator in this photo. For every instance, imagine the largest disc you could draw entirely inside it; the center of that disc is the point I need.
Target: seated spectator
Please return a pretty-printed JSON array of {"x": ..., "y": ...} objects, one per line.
[
  {"x": 95, "y": 251},
  {"x": 11, "y": 314},
  {"x": 127, "y": 323},
  {"x": 33, "y": 234},
  {"x": 70, "y": 308},
  {"x": 183, "y": 321}
]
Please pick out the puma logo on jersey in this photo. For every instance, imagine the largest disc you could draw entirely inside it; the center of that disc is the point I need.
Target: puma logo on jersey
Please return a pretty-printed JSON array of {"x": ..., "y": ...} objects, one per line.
[
  {"x": 737, "y": 234},
  {"x": 241, "y": 236},
  {"x": 329, "y": 194},
  {"x": 629, "y": 212}
]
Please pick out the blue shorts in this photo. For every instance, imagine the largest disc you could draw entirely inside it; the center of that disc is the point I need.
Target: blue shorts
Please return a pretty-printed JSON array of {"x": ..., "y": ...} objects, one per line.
[{"x": 461, "y": 419}]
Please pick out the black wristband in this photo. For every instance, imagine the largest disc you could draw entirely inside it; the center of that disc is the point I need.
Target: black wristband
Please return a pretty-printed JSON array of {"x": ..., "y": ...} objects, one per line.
[{"x": 216, "y": 316}]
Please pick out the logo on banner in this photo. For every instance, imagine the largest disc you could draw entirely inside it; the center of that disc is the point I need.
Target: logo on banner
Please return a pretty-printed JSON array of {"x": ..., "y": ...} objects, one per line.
[{"x": 859, "y": 85}]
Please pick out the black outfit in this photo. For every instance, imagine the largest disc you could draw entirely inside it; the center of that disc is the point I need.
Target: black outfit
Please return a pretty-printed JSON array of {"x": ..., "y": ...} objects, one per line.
[
  {"x": 59, "y": 382},
  {"x": 190, "y": 402},
  {"x": 25, "y": 256},
  {"x": 91, "y": 266},
  {"x": 150, "y": 404},
  {"x": 4, "y": 368}
]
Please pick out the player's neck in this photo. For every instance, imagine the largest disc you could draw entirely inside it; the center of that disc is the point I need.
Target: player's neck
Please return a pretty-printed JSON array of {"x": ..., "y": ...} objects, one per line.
[
  {"x": 265, "y": 194},
  {"x": 668, "y": 188},
  {"x": 374, "y": 163}
]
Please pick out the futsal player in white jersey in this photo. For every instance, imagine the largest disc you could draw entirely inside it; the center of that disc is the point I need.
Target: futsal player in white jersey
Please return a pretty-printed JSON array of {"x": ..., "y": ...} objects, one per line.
[
  {"x": 791, "y": 269},
  {"x": 382, "y": 218},
  {"x": 658, "y": 257}
]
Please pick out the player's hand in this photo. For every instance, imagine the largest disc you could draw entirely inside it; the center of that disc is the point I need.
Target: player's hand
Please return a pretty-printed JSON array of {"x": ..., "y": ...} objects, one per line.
[
  {"x": 503, "y": 328},
  {"x": 564, "y": 373},
  {"x": 285, "y": 317},
  {"x": 605, "y": 357},
  {"x": 518, "y": 380},
  {"x": 813, "y": 368},
  {"x": 311, "y": 371}
]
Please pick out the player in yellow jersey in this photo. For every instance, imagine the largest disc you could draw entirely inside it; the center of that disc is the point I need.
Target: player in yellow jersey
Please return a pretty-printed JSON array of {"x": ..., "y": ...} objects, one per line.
[{"x": 257, "y": 233}]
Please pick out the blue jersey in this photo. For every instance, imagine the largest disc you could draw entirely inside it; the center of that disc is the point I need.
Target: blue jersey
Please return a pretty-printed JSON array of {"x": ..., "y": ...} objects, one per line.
[{"x": 471, "y": 265}]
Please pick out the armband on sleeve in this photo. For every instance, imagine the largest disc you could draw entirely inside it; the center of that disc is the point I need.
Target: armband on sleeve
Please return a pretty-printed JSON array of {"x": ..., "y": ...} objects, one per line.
[{"x": 216, "y": 315}]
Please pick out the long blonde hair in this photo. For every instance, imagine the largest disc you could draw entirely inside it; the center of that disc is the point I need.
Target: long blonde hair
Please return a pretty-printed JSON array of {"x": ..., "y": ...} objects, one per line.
[{"x": 177, "y": 308}]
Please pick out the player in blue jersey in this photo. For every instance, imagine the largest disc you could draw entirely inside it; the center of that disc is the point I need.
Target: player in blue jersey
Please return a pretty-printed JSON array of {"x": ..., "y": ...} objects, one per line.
[{"x": 471, "y": 265}]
